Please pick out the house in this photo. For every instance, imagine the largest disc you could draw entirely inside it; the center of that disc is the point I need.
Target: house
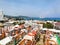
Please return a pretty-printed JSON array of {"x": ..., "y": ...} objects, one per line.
[{"x": 57, "y": 25}]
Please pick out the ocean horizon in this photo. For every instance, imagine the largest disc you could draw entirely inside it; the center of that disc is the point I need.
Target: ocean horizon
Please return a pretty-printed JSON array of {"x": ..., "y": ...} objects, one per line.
[{"x": 46, "y": 19}]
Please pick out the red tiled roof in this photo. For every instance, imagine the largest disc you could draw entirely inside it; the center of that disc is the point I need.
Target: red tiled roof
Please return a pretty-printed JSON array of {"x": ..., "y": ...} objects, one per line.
[{"x": 58, "y": 23}]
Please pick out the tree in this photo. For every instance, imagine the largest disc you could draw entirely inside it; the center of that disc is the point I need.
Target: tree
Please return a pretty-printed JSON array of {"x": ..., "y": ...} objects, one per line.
[{"x": 48, "y": 25}]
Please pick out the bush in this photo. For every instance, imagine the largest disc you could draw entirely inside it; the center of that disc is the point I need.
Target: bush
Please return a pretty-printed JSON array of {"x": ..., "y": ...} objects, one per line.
[{"x": 48, "y": 25}]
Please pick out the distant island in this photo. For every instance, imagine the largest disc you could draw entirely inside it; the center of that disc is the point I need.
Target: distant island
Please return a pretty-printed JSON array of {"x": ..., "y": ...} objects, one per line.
[{"x": 31, "y": 18}]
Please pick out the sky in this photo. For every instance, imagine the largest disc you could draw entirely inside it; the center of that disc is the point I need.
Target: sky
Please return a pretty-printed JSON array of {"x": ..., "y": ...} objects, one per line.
[{"x": 32, "y": 8}]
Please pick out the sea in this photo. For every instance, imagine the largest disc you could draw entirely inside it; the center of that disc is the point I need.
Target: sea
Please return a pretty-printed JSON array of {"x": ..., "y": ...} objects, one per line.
[{"x": 56, "y": 19}]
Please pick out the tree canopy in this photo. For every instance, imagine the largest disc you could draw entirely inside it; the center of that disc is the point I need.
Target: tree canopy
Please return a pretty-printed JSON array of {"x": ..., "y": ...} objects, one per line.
[{"x": 48, "y": 25}]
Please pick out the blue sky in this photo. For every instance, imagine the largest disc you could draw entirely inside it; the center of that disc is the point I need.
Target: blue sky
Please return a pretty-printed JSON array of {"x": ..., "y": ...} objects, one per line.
[{"x": 33, "y": 8}]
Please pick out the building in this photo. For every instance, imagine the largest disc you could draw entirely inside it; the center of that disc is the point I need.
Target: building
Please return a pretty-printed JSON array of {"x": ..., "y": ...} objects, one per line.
[{"x": 57, "y": 25}]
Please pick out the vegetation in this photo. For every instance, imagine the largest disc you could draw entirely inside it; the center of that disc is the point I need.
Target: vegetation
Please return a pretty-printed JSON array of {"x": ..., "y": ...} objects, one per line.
[
  {"x": 18, "y": 17},
  {"x": 57, "y": 19},
  {"x": 15, "y": 23},
  {"x": 48, "y": 25}
]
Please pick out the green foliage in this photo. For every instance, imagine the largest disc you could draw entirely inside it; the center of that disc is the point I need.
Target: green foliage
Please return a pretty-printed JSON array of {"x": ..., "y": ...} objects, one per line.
[
  {"x": 57, "y": 20},
  {"x": 48, "y": 25},
  {"x": 20, "y": 19},
  {"x": 15, "y": 23}
]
